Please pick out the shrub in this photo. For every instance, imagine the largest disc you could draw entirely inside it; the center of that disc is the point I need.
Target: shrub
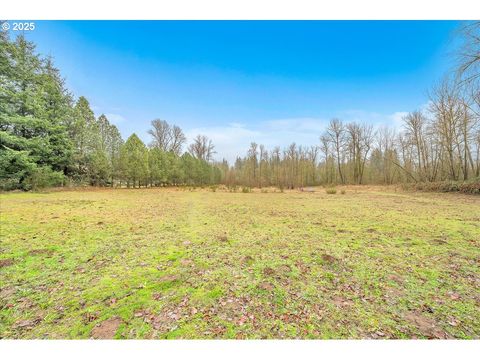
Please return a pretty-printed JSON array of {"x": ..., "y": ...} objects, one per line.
[
  {"x": 470, "y": 187},
  {"x": 264, "y": 191},
  {"x": 331, "y": 191},
  {"x": 246, "y": 189},
  {"x": 213, "y": 188},
  {"x": 43, "y": 177},
  {"x": 467, "y": 187},
  {"x": 15, "y": 166},
  {"x": 343, "y": 192}
]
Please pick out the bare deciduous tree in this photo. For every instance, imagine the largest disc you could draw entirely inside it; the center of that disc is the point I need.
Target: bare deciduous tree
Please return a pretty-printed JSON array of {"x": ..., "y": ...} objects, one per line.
[
  {"x": 469, "y": 54},
  {"x": 336, "y": 132},
  {"x": 202, "y": 148},
  {"x": 166, "y": 137}
]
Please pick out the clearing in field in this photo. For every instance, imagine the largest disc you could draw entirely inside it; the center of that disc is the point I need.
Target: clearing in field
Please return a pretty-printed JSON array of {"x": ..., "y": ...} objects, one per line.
[{"x": 172, "y": 263}]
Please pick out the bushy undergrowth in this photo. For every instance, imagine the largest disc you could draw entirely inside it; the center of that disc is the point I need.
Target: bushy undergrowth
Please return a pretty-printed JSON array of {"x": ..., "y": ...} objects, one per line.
[
  {"x": 331, "y": 191},
  {"x": 43, "y": 177},
  {"x": 466, "y": 187}
]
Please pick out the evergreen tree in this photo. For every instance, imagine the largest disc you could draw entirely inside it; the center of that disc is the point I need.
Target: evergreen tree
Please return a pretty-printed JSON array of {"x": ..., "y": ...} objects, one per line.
[
  {"x": 33, "y": 114},
  {"x": 158, "y": 166},
  {"x": 134, "y": 161}
]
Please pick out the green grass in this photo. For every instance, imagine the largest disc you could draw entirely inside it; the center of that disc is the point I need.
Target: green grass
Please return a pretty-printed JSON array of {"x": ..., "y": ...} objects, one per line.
[{"x": 219, "y": 264}]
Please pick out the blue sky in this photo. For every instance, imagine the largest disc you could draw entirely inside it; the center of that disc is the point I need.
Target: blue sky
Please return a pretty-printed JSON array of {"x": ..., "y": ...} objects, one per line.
[{"x": 273, "y": 82}]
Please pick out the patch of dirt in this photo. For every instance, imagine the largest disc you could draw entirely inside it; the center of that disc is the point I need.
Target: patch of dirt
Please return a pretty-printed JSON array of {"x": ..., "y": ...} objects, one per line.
[
  {"x": 139, "y": 313},
  {"x": 392, "y": 295},
  {"x": 285, "y": 268},
  {"x": 106, "y": 329},
  {"x": 167, "y": 278},
  {"x": 304, "y": 268},
  {"x": 27, "y": 324},
  {"x": 157, "y": 296},
  {"x": 165, "y": 321},
  {"x": 25, "y": 303},
  {"x": 396, "y": 278},
  {"x": 248, "y": 259},
  {"x": 329, "y": 258},
  {"x": 342, "y": 302},
  {"x": 80, "y": 270},
  {"x": 454, "y": 295},
  {"x": 425, "y": 325},
  {"x": 266, "y": 286},
  {"x": 6, "y": 262},
  {"x": 41, "y": 252},
  {"x": 222, "y": 238},
  {"x": 6, "y": 292},
  {"x": 268, "y": 271},
  {"x": 234, "y": 309},
  {"x": 186, "y": 262}
]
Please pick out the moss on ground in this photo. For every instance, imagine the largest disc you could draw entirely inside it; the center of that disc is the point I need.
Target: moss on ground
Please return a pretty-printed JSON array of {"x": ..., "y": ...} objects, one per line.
[{"x": 200, "y": 264}]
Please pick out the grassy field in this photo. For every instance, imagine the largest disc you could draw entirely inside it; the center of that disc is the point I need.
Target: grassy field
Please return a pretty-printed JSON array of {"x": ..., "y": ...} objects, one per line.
[{"x": 171, "y": 263}]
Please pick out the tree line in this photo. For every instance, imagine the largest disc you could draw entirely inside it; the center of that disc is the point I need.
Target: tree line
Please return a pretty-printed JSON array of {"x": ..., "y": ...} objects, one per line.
[
  {"x": 439, "y": 143},
  {"x": 48, "y": 138}
]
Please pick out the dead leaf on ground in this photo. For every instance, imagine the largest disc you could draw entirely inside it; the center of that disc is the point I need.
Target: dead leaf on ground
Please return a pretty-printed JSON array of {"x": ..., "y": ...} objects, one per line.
[
  {"x": 186, "y": 262},
  {"x": 40, "y": 252},
  {"x": 6, "y": 262},
  {"x": 268, "y": 271},
  {"x": 285, "y": 268},
  {"x": 396, "y": 278},
  {"x": 329, "y": 258},
  {"x": 266, "y": 286},
  {"x": 342, "y": 302},
  {"x": 168, "y": 278},
  {"x": 27, "y": 324}
]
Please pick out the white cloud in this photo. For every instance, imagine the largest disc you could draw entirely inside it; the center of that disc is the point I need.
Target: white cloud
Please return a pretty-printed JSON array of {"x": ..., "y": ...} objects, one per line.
[
  {"x": 115, "y": 118},
  {"x": 393, "y": 120},
  {"x": 230, "y": 141},
  {"x": 296, "y": 124},
  {"x": 396, "y": 119},
  {"x": 425, "y": 108},
  {"x": 234, "y": 139}
]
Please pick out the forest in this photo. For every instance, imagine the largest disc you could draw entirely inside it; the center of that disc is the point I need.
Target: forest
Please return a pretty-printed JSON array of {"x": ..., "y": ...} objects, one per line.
[{"x": 50, "y": 138}]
